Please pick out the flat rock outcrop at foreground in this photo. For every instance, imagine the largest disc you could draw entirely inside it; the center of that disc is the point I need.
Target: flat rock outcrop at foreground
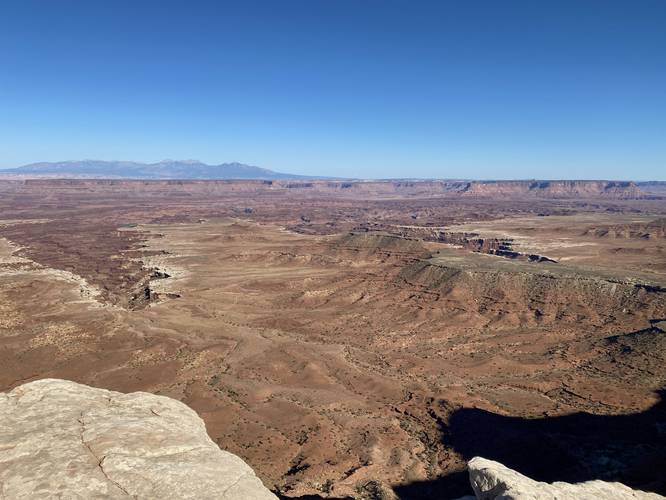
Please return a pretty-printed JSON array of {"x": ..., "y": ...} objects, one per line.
[
  {"x": 492, "y": 480},
  {"x": 67, "y": 440}
]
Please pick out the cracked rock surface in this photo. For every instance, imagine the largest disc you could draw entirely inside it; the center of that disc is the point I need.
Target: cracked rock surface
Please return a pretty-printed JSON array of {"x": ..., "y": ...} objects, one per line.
[
  {"x": 493, "y": 481},
  {"x": 67, "y": 440}
]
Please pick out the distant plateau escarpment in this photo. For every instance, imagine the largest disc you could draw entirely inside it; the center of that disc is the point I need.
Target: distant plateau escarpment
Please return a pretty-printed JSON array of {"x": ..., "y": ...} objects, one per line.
[{"x": 265, "y": 183}]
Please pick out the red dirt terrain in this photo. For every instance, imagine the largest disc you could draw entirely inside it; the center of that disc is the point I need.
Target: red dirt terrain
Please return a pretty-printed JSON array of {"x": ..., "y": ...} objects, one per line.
[{"x": 357, "y": 339}]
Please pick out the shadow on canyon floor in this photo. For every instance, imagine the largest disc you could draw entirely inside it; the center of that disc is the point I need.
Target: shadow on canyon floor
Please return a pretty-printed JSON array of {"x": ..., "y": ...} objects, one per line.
[
  {"x": 310, "y": 497},
  {"x": 579, "y": 447}
]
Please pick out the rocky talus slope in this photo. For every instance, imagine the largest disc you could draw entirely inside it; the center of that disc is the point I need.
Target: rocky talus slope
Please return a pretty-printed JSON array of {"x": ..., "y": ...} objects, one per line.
[
  {"x": 493, "y": 481},
  {"x": 59, "y": 439}
]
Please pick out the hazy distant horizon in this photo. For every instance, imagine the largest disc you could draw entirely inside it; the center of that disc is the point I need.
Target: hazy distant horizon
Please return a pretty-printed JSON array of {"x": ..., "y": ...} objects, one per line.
[
  {"x": 376, "y": 89},
  {"x": 4, "y": 170}
]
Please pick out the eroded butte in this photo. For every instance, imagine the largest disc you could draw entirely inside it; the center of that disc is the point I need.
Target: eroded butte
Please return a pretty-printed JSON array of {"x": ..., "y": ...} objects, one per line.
[{"x": 359, "y": 340}]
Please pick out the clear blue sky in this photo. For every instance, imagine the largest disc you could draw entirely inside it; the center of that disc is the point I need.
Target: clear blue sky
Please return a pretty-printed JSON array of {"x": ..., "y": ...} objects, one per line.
[{"x": 466, "y": 89}]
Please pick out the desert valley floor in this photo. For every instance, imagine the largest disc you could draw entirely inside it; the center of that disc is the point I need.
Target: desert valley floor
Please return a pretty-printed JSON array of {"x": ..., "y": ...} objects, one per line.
[{"x": 357, "y": 339}]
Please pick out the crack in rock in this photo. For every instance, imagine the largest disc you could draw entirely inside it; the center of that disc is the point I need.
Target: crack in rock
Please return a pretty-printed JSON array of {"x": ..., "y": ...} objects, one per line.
[{"x": 99, "y": 461}]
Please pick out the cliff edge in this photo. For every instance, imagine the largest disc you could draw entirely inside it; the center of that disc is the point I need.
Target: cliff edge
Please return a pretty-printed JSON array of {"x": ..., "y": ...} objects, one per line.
[{"x": 67, "y": 440}]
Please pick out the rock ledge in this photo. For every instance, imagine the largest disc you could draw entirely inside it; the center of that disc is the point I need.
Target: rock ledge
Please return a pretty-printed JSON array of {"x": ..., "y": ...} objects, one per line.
[
  {"x": 493, "y": 481},
  {"x": 67, "y": 440}
]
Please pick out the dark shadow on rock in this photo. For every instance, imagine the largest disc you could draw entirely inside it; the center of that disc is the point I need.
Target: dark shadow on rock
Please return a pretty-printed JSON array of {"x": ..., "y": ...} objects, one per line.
[{"x": 579, "y": 447}]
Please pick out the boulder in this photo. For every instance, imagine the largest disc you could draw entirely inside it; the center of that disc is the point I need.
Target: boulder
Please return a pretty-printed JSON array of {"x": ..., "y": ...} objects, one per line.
[
  {"x": 493, "y": 481},
  {"x": 59, "y": 439}
]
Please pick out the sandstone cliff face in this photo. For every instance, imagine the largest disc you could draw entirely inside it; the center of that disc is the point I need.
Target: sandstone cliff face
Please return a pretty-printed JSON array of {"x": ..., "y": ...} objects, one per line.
[
  {"x": 59, "y": 439},
  {"x": 439, "y": 188},
  {"x": 555, "y": 189},
  {"x": 492, "y": 480}
]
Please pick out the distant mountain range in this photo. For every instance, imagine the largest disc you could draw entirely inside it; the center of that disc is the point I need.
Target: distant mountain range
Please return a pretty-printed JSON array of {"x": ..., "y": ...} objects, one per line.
[
  {"x": 167, "y": 169},
  {"x": 196, "y": 170}
]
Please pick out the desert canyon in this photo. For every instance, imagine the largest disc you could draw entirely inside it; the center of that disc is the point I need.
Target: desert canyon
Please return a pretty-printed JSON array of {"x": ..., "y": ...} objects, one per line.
[{"x": 351, "y": 339}]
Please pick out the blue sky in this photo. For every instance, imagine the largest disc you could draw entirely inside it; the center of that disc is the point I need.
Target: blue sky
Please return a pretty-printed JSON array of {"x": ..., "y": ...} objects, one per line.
[{"x": 468, "y": 89}]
